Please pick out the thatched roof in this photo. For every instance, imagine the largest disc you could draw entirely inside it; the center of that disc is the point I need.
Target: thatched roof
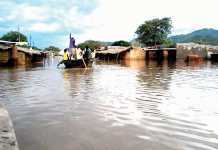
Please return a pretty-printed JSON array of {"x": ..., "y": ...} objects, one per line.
[{"x": 113, "y": 50}]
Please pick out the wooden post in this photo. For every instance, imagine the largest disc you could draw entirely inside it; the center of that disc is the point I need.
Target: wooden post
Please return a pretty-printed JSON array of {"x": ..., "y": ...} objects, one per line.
[
  {"x": 13, "y": 60},
  {"x": 117, "y": 57},
  {"x": 84, "y": 62},
  {"x": 14, "y": 52}
]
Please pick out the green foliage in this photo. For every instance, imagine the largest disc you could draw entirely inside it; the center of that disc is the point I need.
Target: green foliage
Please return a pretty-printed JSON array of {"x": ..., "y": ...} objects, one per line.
[
  {"x": 136, "y": 43},
  {"x": 154, "y": 32},
  {"x": 169, "y": 43},
  {"x": 13, "y": 36},
  {"x": 52, "y": 49},
  {"x": 91, "y": 44},
  {"x": 36, "y": 48},
  {"x": 121, "y": 43},
  {"x": 203, "y": 36}
]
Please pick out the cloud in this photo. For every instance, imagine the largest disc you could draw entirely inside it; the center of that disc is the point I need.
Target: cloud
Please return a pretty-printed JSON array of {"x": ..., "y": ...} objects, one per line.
[
  {"x": 67, "y": 13},
  {"x": 43, "y": 27},
  {"x": 26, "y": 12},
  {"x": 105, "y": 20},
  {"x": 83, "y": 6},
  {"x": 119, "y": 19}
]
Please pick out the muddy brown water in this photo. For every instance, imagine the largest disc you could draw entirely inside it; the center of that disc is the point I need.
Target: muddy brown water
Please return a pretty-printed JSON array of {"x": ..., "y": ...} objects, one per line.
[{"x": 132, "y": 105}]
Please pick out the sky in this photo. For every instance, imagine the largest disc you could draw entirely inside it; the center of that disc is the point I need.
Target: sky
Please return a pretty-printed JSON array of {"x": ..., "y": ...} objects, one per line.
[{"x": 49, "y": 22}]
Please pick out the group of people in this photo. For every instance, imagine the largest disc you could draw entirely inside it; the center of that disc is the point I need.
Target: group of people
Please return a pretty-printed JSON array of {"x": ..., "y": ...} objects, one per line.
[{"x": 76, "y": 54}]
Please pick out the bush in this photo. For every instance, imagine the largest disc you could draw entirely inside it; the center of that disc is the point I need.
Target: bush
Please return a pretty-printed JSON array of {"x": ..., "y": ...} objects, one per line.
[
  {"x": 13, "y": 36},
  {"x": 121, "y": 43}
]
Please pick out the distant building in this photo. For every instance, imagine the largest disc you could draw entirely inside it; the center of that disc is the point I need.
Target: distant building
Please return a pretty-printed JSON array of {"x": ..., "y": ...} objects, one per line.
[
  {"x": 120, "y": 53},
  {"x": 11, "y": 54},
  {"x": 204, "y": 51}
]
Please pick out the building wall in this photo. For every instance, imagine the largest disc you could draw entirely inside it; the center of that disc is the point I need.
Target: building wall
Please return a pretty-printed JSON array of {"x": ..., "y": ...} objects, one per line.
[
  {"x": 151, "y": 55},
  {"x": 24, "y": 59},
  {"x": 21, "y": 58},
  {"x": 184, "y": 50},
  {"x": 133, "y": 54},
  {"x": 4, "y": 56}
]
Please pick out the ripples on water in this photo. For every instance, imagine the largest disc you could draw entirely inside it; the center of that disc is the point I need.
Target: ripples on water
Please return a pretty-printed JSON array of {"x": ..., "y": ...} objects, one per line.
[{"x": 137, "y": 105}]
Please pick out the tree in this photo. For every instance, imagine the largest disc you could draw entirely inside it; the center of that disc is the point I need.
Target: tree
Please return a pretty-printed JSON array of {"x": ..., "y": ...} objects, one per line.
[
  {"x": 91, "y": 44},
  {"x": 169, "y": 43},
  {"x": 121, "y": 43},
  {"x": 14, "y": 36},
  {"x": 154, "y": 32},
  {"x": 52, "y": 49}
]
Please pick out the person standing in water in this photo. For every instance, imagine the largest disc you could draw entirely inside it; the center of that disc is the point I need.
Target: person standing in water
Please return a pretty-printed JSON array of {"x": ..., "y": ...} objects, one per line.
[{"x": 65, "y": 58}]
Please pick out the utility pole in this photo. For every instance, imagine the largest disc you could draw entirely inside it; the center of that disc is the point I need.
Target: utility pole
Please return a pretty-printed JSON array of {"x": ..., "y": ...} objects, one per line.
[
  {"x": 18, "y": 33},
  {"x": 30, "y": 40}
]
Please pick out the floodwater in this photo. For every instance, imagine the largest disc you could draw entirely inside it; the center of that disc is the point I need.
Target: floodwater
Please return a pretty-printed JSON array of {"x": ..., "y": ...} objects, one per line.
[{"x": 132, "y": 105}]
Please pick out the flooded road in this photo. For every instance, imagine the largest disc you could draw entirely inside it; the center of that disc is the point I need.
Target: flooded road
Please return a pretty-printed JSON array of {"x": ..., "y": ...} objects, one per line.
[{"x": 134, "y": 105}]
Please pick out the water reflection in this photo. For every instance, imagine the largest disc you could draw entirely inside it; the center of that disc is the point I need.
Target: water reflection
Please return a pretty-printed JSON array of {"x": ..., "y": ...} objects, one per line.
[
  {"x": 134, "y": 64},
  {"x": 132, "y": 105}
]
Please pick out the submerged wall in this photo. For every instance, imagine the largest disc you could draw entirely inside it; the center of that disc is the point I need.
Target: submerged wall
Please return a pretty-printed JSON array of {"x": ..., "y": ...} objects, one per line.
[
  {"x": 4, "y": 56},
  {"x": 7, "y": 135},
  {"x": 186, "y": 49},
  {"x": 133, "y": 54}
]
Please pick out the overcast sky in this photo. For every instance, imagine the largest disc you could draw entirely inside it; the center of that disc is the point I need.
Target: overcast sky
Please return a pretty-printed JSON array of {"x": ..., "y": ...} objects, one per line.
[{"x": 51, "y": 21}]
